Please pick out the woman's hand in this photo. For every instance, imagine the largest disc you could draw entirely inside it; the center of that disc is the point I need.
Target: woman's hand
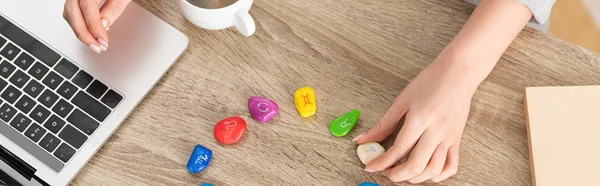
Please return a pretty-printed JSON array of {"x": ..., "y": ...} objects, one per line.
[
  {"x": 90, "y": 22},
  {"x": 436, "y": 103},
  {"x": 435, "y": 106}
]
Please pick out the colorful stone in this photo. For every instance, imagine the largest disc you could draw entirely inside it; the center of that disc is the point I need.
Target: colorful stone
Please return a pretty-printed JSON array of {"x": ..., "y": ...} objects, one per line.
[
  {"x": 344, "y": 124},
  {"x": 306, "y": 104},
  {"x": 206, "y": 184},
  {"x": 199, "y": 159},
  {"x": 262, "y": 109},
  {"x": 230, "y": 130},
  {"x": 369, "y": 151},
  {"x": 368, "y": 184}
]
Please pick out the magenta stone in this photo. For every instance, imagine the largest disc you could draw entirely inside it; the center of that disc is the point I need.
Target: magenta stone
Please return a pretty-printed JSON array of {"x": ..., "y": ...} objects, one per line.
[{"x": 262, "y": 109}]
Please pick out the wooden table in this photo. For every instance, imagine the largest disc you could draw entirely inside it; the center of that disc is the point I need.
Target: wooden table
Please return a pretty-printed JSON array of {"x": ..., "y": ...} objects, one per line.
[{"x": 356, "y": 54}]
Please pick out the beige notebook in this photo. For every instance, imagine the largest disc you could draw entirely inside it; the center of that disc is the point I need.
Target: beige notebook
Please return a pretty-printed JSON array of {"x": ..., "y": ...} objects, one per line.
[{"x": 563, "y": 124}]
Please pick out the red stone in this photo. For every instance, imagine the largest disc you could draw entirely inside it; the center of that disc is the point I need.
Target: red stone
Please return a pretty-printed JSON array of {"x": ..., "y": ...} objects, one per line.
[{"x": 230, "y": 130}]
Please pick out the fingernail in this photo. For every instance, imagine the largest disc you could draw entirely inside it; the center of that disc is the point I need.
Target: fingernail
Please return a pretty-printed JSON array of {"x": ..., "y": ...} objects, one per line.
[
  {"x": 104, "y": 23},
  {"x": 358, "y": 137},
  {"x": 370, "y": 170},
  {"x": 107, "y": 29},
  {"x": 95, "y": 48},
  {"x": 103, "y": 44}
]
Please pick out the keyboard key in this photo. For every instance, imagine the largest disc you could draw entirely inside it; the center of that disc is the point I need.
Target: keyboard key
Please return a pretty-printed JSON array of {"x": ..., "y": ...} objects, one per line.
[
  {"x": 11, "y": 94},
  {"x": 39, "y": 114},
  {"x": 9, "y": 30},
  {"x": 54, "y": 124},
  {"x": 38, "y": 70},
  {"x": 28, "y": 43},
  {"x": 24, "y": 61},
  {"x": 49, "y": 142},
  {"x": 91, "y": 106},
  {"x": 25, "y": 104},
  {"x": 66, "y": 68},
  {"x": 20, "y": 122},
  {"x": 73, "y": 136},
  {"x": 19, "y": 78},
  {"x": 48, "y": 98},
  {"x": 2, "y": 42},
  {"x": 83, "y": 122},
  {"x": 111, "y": 98},
  {"x": 97, "y": 89},
  {"x": 64, "y": 152},
  {"x": 10, "y": 51},
  {"x": 3, "y": 84},
  {"x": 52, "y": 80},
  {"x": 7, "y": 112},
  {"x": 35, "y": 132},
  {"x": 62, "y": 108},
  {"x": 82, "y": 79},
  {"x": 66, "y": 90},
  {"x": 33, "y": 88},
  {"x": 6, "y": 69}
]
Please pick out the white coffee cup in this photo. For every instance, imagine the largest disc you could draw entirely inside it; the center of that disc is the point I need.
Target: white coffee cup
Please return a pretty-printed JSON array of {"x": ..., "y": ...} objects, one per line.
[{"x": 211, "y": 17}]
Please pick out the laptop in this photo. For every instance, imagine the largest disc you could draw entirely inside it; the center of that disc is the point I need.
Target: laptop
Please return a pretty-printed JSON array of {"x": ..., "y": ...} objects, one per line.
[
  {"x": 563, "y": 125},
  {"x": 60, "y": 101}
]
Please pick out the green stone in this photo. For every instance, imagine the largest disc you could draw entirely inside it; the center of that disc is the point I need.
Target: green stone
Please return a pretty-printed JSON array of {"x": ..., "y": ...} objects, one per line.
[{"x": 344, "y": 124}]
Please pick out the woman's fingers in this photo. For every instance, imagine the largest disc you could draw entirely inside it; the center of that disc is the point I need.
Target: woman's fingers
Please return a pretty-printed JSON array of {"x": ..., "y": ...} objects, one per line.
[
  {"x": 91, "y": 14},
  {"x": 386, "y": 124},
  {"x": 434, "y": 167},
  {"x": 451, "y": 167},
  {"x": 408, "y": 136},
  {"x": 74, "y": 17},
  {"x": 418, "y": 159},
  {"x": 111, "y": 10}
]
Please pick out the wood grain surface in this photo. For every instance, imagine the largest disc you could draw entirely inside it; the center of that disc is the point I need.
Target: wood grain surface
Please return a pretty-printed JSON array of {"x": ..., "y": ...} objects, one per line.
[{"x": 356, "y": 54}]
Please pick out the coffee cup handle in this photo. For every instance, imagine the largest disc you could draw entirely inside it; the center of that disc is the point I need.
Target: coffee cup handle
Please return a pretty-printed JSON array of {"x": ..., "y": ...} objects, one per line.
[{"x": 244, "y": 23}]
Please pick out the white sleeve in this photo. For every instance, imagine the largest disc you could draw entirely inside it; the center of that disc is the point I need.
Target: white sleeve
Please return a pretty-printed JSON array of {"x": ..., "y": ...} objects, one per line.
[{"x": 539, "y": 8}]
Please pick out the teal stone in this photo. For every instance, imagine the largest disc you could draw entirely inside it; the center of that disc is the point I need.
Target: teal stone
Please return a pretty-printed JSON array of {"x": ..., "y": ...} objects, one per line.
[
  {"x": 344, "y": 124},
  {"x": 368, "y": 184}
]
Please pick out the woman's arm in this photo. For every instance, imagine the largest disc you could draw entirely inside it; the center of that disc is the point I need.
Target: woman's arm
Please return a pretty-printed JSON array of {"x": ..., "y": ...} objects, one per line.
[
  {"x": 436, "y": 103},
  {"x": 487, "y": 34}
]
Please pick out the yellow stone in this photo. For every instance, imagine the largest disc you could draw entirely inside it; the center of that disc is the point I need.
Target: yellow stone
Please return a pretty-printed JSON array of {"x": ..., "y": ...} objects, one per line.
[{"x": 305, "y": 101}]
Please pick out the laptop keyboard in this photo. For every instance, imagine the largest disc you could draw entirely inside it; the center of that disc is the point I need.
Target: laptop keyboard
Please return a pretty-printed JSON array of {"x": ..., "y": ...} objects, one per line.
[{"x": 49, "y": 106}]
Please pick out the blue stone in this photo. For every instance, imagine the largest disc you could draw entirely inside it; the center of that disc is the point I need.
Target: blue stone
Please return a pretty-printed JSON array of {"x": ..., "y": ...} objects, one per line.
[
  {"x": 368, "y": 184},
  {"x": 207, "y": 184},
  {"x": 199, "y": 159}
]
